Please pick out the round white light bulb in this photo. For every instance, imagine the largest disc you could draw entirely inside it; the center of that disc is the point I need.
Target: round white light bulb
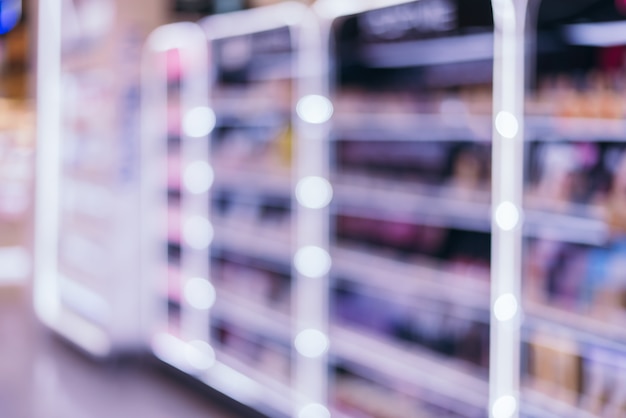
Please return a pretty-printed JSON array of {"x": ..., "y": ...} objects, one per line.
[
  {"x": 200, "y": 355},
  {"x": 314, "y": 410},
  {"x": 507, "y": 124},
  {"x": 313, "y": 262},
  {"x": 507, "y": 216},
  {"x": 314, "y": 192},
  {"x": 504, "y": 407},
  {"x": 198, "y": 232},
  {"x": 314, "y": 109},
  {"x": 199, "y": 293},
  {"x": 199, "y": 121},
  {"x": 311, "y": 343},
  {"x": 198, "y": 177},
  {"x": 505, "y": 307}
]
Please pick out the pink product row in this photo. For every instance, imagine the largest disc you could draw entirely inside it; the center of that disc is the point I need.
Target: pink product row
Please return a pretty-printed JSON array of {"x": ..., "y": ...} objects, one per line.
[{"x": 174, "y": 224}]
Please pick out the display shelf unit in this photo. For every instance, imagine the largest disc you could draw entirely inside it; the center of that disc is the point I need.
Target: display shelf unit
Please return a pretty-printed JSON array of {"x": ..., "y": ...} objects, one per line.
[
  {"x": 391, "y": 360},
  {"x": 409, "y": 164},
  {"x": 245, "y": 320},
  {"x": 85, "y": 256},
  {"x": 574, "y": 147},
  {"x": 256, "y": 154},
  {"x": 368, "y": 217}
]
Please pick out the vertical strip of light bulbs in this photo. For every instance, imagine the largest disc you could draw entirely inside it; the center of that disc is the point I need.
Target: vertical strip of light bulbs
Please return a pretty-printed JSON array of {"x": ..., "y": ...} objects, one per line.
[
  {"x": 195, "y": 353},
  {"x": 197, "y": 123},
  {"x": 313, "y": 194},
  {"x": 507, "y": 215}
]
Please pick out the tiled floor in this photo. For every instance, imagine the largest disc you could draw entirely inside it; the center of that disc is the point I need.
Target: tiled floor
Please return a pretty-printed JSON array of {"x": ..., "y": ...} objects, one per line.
[{"x": 41, "y": 377}]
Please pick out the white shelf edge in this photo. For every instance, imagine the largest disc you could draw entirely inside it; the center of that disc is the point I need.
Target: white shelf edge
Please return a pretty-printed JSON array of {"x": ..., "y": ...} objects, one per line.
[
  {"x": 549, "y": 407},
  {"x": 374, "y": 202},
  {"x": 240, "y": 311},
  {"x": 251, "y": 243},
  {"x": 579, "y": 327},
  {"x": 410, "y": 279},
  {"x": 278, "y": 182},
  {"x": 576, "y": 128},
  {"x": 380, "y": 201},
  {"x": 437, "y": 375},
  {"x": 231, "y": 377},
  {"x": 561, "y": 226},
  {"x": 272, "y": 387}
]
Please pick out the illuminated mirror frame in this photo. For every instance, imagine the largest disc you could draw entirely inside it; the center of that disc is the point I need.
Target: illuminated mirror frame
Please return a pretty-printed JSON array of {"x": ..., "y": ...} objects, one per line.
[{"x": 193, "y": 354}]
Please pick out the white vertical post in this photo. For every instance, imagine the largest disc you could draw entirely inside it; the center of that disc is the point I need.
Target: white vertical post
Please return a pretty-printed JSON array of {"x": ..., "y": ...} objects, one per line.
[
  {"x": 48, "y": 157},
  {"x": 507, "y": 193},
  {"x": 313, "y": 193}
]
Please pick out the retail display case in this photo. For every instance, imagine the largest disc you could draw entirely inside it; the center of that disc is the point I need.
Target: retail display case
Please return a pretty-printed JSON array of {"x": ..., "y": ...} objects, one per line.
[
  {"x": 322, "y": 236},
  {"x": 376, "y": 208},
  {"x": 225, "y": 208},
  {"x": 573, "y": 341},
  {"x": 384, "y": 222},
  {"x": 86, "y": 284},
  {"x": 176, "y": 177},
  {"x": 410, "y": 152}
]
